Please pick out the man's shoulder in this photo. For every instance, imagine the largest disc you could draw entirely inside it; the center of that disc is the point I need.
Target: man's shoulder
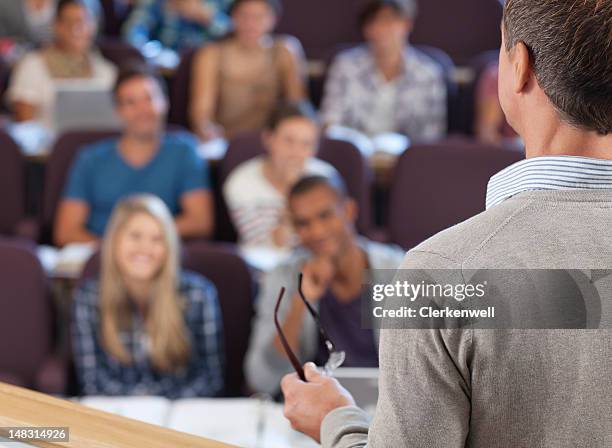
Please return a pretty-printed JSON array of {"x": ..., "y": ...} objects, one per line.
[
  {"x": 423, "y": 65},
  {"x": 179, "y": 142},
  {"x": 353, "y": 56},
  {"x": 456, "y": 245},
  {"x": 98, "y": 151}
]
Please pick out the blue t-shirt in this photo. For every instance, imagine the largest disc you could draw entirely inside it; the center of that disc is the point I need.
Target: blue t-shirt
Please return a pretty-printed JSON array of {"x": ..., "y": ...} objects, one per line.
[{"x": 101, "y": 177}]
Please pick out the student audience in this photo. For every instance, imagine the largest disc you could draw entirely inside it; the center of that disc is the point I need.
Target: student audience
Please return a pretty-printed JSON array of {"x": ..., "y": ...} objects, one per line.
[
  {"x": 177, "y": 24},
  {"x": 335, "y": 263},
  {"x": 256, "y": 190},
  {"x": 386, "y": 85},
  {"x": 237, "y": 82},
  {"x": 145, "y": 159},
  {"x": 144, "y": 327},
  {"x": 69, "y": 58},
  {"x": 30, "y": 22},
  {"x": 491, "y": 125}
]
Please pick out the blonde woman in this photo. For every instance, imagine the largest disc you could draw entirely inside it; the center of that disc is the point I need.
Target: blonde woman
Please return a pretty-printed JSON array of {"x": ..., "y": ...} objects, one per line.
[{"x": 145, "y": 327}]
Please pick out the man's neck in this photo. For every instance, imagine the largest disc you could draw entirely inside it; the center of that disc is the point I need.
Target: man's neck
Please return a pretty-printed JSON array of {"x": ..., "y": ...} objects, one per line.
[
  {"x": 390, "y": 62},
  {"x": 549, "y": 136},
  {"x": 139, "y": 149}
]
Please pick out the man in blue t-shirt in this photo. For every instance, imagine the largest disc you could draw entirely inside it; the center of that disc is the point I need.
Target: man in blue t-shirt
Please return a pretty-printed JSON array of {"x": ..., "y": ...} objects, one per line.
[{"x": 144, "y": 159}]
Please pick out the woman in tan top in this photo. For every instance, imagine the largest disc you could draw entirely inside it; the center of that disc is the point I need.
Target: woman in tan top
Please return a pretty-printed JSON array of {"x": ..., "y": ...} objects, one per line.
[{"x": 239, "y": 81}]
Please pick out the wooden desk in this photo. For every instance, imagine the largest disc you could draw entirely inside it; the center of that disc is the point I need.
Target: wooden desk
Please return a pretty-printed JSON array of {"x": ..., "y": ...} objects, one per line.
[{"x": 88, "y": 428}]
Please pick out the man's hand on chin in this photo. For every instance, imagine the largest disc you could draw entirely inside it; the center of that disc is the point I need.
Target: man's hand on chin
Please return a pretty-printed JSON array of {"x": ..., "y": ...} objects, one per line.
[{"x": 307, "y": 404}]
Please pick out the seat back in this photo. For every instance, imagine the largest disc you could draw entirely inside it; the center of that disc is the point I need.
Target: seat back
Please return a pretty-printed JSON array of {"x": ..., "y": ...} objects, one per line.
[
  {"x": 180, "y": 87},
  {"x": 60, "y": 160},
  {"x": 334, "y": 21},
  {"x": 5, "y": 74},
  {"x": 119, "y": 52},
  {"x": 357, "y": 175},
  {"x": 221, "y": 264},
  {"x": 12, "y": 185},
  {"x": 437, "y": 186},
  {"x": 115, "y": 13},
  {"x": 26, "y": 318},
  {"x": 442, "y": 23}
]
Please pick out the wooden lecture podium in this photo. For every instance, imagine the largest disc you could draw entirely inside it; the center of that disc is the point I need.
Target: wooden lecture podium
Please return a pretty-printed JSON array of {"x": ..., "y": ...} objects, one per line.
[{"x": 88, "y": 428}]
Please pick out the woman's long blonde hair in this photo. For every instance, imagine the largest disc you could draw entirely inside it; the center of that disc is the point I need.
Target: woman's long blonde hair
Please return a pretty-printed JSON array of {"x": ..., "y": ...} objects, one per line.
[{"x": 169, "y": 346}]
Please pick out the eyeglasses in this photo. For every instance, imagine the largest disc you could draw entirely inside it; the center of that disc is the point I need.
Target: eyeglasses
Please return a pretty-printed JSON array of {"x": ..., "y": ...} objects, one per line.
[{"x": 336, "y": 357}]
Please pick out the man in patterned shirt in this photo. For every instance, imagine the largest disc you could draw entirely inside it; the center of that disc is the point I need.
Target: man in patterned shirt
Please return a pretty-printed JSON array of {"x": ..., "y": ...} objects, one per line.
[{"x": 387, "y": 85}]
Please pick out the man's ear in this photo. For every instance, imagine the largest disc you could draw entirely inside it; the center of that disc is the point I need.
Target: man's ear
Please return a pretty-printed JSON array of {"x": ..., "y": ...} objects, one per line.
[{"x": 521, "y": 66}]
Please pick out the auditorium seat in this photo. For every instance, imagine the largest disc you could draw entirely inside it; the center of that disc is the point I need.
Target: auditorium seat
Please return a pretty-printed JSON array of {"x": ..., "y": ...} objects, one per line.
[
  {"x": 57, "y": 168},
  {"x": 223, "y": 266},
  {"x": 5, "y": 73},
  {"x": 180, "y": 86},
  {"x": 462, "y": 29},
  {"x": 345, "y": 157},
  {"x": 440, "y": 23},
  {"x": 115, "y": 14},
  {"x": 321, "y": 24},
  {"x": 437, "y": 186},
  {"x": 27, "y": 355},
  {"x": 119, "y": 52},
  {"x": 13, "y": 219}
]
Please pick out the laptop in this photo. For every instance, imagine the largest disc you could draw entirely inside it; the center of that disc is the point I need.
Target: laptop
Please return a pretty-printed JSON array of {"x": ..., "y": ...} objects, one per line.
[
  {"x": 84, "y": 106},
  {"x": 362, "y": 383}
]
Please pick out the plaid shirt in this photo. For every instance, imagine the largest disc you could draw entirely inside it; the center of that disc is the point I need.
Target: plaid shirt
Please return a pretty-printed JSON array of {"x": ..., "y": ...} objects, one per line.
[
  {"x": 154, "y": 20},
  {"x": 101, "y": 374},
  {"x": 354, "y": 85}
]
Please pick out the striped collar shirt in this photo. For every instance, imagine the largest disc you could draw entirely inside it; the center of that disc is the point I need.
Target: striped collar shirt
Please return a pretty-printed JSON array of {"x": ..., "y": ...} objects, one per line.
[{"x": 549, "y": 173}]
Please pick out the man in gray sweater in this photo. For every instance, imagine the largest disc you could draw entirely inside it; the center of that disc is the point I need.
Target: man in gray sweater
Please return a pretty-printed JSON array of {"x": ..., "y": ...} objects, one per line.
[{"x": 509, "y": 388}]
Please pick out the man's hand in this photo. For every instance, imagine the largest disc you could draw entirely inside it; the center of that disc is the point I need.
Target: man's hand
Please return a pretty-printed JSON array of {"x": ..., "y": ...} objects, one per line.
[
  {"x": 307, "y": 404},
  {"x": 317, "y": 276}
]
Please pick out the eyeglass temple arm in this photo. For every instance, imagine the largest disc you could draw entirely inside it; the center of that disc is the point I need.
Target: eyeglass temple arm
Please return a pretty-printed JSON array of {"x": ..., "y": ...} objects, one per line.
[
  {"x": 314, "y": 314},
  {"x": 292, "y": 358}
]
